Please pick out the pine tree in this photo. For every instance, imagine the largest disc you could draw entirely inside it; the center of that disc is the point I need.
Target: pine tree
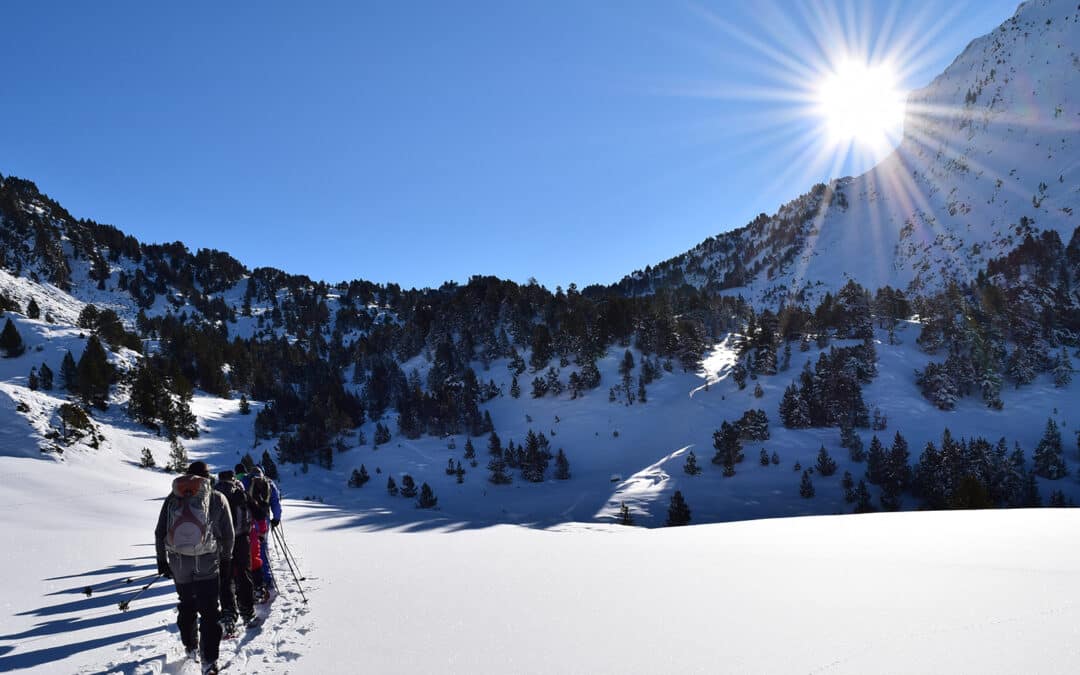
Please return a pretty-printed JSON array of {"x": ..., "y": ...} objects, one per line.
[
  {"x": 625, "y": 517},
  {"x": 806, "y": 486},
  {"x": 94, "y": 374},
  {"x": 69, "y": 373},
  {"x": 775, "y": 459},
  {"x": 46, "y": 375},
  {"x": 459, "y": 472},
  {"x": 408, "y": 486},
  {"x": 147, "y": 460},
  {"x": 245, "y": 407},
  {"x": 391, "y": 487},
  {"x": 862, "y": 498},
  {"x": 497, "y": 467},
  {"x": 848, "y": 483},
  {"x": 641, "y": 389},
  {"x": 269, "y": 466},
  {"x": 494, "y": 444},
  {"x": 515, "y": 388},
  {"x": 875, "y": 462},
  {"x": 764, "y": 459},
  {"x": 826, "y": 465},
  {"x": 32, "y": 309},
  {"x": 489, "y": 425},
  {"x": 178, "y": 457},
  {"x": 427, "y": 498},
  {"x": 727, "y": 445},
  {"x": 562, "y": 466},
  {"x": 1049, "y": 458},
  {"x": 758, "y": 391},
  {"x": 32, "y": 380},
  {"x": 691, "y": 466},
  {"x": 678, "y": 511},
  {"x": 10, "y": 341},
  {"x": 794, "y": 411},
  {"x": 470, "y": 450},
  {"x": 1063, "y": 370}
]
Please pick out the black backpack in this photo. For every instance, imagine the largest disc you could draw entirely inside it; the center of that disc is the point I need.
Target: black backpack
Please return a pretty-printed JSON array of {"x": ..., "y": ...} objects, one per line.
[
  {"x": 259, "y": 497},
  {"x": 238, "y": 505}
]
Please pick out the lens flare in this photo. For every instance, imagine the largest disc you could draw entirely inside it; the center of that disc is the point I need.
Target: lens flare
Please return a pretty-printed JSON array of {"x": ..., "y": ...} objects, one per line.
[{"x": 860, "y": 104}]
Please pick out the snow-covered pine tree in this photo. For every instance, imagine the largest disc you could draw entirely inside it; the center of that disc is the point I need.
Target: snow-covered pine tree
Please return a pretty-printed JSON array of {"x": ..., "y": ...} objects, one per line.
[
  {"x": 764, "y": 458},
  {"x": 806, "y": 486},
  {"x": 794, "y": 412},
  {"x": 178, "y": 457},
  {"x": 826, "y": 465},
  {"x": 1063, "y": 370},
  {"x": 391, "y": 487},
  {"x": 1049, "y": 458},
  {"x": 875, "y": 462}
]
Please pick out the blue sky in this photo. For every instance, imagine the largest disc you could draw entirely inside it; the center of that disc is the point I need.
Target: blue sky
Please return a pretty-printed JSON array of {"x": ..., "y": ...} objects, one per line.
[{"x": 419, "y": 142}]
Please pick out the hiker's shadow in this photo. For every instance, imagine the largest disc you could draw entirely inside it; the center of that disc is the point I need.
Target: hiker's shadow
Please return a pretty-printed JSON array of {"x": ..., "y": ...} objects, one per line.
[{"x": 99, "y": 611}]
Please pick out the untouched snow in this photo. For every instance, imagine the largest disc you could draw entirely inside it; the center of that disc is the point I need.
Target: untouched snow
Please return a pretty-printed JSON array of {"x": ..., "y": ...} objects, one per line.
[{"x": 988, "y": 592}]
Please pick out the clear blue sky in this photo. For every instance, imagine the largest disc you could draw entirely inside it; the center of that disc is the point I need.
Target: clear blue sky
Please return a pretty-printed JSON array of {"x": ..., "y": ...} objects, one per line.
[{"x": 419, "y": 142}]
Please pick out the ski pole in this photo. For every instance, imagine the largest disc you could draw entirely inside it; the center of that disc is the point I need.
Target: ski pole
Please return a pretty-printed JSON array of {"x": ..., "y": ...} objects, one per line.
[
  {"x": 124, "y": 604},
  {"x": 288, "y": 551},
  {"x": 291, "y": 568},
  {"x": 110, "y": 585}
]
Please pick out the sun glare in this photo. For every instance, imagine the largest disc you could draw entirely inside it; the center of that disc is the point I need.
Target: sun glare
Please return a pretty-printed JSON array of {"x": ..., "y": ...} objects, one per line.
[{"x": 860, "y": 104}]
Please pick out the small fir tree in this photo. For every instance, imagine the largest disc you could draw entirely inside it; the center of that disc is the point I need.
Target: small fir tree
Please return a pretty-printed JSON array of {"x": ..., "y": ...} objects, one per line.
[
  {"x": 764, "y": 458},
  {"x": 408, "y": 486},
  {"x": 359, "y": 477},
  {"x": 427, "y": 498},
  {"x": 11, "y": 343},
  {"x": 691, "y": 466},
  {"x": 625, "y": 517},
  {"x": 678, "y": 511},
  {"x": 245, "y": 407},
  {"x": 562, "y": 466},
  {"x": 470, "y": 450},
  {"x": 775, "y": 457},
  {"x": 32, "y": 309},
  {"x": 147, "y": 460},
  {"x": 826, "y": 465},
  {"x": 32, "y": 381},
  {"x": 46, "y": 375},
  {"x": 69, "y": 372},
  {"x": 515, "y": 388},
  {"x": 806, "y": 486},
  {"x": 178, "y": 457},
  {"x": 459, "y": 472},
  {"x": 391, "y": 487},
  {"x": 1049, "y": 458},
  {"x": 862, "y": 498}
]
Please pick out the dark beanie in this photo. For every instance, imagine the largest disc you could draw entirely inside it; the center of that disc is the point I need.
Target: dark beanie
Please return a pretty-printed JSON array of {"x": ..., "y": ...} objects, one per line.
[
  {"x": 225, "y": 475},
  {"x": 239, "y": 469},
  {"x": 198, "y": 469}
]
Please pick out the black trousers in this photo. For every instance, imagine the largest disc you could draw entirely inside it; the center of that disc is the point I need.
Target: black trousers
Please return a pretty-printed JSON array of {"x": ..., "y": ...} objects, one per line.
[
  {"x": 240, "y": 576},
  {"x": 200, "y": 598}
]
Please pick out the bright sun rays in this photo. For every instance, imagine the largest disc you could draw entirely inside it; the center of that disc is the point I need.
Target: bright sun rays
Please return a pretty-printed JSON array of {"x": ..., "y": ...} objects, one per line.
[{"x": 860, "y": 104}]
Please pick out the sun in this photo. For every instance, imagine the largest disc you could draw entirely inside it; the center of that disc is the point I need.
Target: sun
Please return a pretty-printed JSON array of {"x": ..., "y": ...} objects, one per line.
[{"x": 859, "y": 105}]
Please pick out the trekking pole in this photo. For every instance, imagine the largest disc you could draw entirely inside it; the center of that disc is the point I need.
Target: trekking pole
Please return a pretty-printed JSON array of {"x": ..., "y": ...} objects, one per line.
[
  {"x": 292, "y": 569},
  {"x": 288, "y": 551},
  {"x": 125, "y": 603},
  {"x": 110, "y": 585}
]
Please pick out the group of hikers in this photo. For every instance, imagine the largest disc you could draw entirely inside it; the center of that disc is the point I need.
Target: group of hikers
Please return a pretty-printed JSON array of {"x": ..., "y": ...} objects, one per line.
[{"x": 211, "y": 541}]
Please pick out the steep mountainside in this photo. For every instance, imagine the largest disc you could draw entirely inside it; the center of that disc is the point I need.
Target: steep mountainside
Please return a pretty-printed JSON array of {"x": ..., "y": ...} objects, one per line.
[{"x": 989, "y": 155}]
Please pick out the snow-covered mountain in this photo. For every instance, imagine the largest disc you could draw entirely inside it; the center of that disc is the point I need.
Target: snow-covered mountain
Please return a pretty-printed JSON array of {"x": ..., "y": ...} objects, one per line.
[{"x": 989, "y": 154}]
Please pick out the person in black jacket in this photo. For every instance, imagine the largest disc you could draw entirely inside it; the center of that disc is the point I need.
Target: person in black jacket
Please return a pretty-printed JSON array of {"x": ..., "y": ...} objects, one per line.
[
  {"x": 239, "y": 574},
  {"x": 194, "y": 541}
]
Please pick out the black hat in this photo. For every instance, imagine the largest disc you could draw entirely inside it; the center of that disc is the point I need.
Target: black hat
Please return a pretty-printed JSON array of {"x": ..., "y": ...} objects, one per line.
[
  {"x": 240, "y": 469},
  {"x": 198, "y": 469},
  {"x": 225, "y": 475}
]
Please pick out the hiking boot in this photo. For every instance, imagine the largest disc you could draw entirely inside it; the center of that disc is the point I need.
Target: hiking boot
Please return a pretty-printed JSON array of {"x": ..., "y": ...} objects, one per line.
[
  {"x": 210, "y": 668},
  {"x": 228, "y": 625},
  {"x": 192, "y": 654}
]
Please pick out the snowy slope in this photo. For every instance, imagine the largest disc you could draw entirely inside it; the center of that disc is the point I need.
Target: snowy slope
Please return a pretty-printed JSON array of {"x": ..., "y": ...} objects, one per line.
[
  {"x": 988, "y": 592},
  {"x": 991, "y": 141}
]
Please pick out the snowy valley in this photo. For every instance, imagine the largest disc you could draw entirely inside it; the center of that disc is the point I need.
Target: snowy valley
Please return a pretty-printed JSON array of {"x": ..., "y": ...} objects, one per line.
[{"x": 828, "y": 390}]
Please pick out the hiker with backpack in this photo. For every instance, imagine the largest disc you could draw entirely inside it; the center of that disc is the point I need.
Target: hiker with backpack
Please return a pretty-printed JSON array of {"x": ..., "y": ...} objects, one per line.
[
  {"x": 265, "y": 501},
  {"x": 194, "y": 541},
  {"x": 239, "y": 573}
]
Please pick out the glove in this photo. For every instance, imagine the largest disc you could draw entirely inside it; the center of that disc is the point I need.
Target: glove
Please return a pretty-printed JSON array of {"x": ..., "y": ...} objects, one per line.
[
  {"x": 163, "y": 569},
  {"x": 275, "y": 522}
]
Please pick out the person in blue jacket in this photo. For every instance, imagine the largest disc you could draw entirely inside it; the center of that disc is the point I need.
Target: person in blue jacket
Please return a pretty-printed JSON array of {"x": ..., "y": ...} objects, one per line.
[{"x": 265, "y": 505}]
